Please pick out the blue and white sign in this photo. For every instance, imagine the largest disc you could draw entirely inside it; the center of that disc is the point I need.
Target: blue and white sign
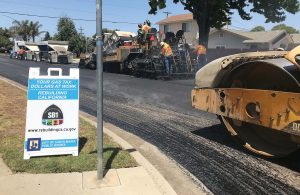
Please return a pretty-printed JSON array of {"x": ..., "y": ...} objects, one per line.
[{"x": 52, "y": 113}]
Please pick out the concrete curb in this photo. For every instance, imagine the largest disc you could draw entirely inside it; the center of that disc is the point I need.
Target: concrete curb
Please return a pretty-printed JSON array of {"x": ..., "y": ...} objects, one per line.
[
  {"x": 167, "y": 174},
  {"x": 163, "y": 186}
]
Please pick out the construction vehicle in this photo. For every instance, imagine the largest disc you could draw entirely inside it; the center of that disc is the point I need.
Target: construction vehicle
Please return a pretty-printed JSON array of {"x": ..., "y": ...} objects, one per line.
[
  {"x": 257, "y": 97},
  {"x": 31, "y": 50},
  {"x": 123, "y": 52},
  {"x": 54, "y": 52},
  {"x": 116, "y": 49},
  {"x": 88, "y": 60}
]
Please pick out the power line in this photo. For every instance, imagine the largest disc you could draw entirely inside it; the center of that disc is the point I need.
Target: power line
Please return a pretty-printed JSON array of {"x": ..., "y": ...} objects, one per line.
[{"x": 76, "y": 19}]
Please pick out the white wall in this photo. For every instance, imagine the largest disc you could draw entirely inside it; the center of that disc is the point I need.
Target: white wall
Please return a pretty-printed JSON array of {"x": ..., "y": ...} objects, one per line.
[
  {"x": 285, "y": 41},
  {"x": 191, "y": 37},
  {"x": 229, "y": 40}
]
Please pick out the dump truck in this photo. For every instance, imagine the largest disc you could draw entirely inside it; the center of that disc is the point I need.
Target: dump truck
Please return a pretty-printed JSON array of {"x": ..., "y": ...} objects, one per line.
[
  {"x": 54, "y": 52},
  {"x": 256, "y": 96},
  {"x": 31, "y": 50}
]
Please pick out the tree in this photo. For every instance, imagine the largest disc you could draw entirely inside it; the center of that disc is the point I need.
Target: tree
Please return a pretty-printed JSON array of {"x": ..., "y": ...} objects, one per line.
[
  {"x": 47, "y": 36},
  {"x": 65, "y": 29},
  {"x": 288, "y": 29},
  {"x": 77, "y": 44},
  {"x": 34, "y": 29},
  {"x": 4, "y": 38},
  {"x": 258, "y": 28},
  {"x": 26, "y": 29},
  {"x": 217, "y": 13},
  {"x": 22, "y": 29},
  {"x": 5, "y": 42}
]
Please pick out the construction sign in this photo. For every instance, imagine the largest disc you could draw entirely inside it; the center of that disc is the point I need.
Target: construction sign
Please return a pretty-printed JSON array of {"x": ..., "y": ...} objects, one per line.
[{"x": 52, "y": 113}]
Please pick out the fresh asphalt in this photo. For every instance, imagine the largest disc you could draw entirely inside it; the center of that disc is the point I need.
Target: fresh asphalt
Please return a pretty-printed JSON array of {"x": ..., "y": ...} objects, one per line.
[{"x": 160, "y": 112}]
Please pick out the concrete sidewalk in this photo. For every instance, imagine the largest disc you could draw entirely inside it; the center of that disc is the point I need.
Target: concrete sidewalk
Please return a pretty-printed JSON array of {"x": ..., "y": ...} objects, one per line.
[
  {"x": 122, "y": 181},
  {"x": 146, "y": 179},
  {"x": 142, "y": 180}
]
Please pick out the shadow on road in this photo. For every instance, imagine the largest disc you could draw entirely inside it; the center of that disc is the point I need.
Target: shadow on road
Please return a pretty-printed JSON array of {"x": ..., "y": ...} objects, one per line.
[{"x": 219, "y": 134}]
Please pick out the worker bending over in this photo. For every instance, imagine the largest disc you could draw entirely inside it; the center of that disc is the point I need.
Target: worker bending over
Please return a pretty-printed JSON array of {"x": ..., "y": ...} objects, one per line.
[
  {"x": 201, "y": 56},
  {"x": 166, "y": 51}
]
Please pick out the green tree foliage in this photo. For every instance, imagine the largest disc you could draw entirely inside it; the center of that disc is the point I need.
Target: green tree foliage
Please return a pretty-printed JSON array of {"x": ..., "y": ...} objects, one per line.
[
  {"x": 47, "y": 36},
  {"x": 34, "y": 29},
  {"x": 4, "y": 38},
  {"x": 66, "y": 31},
  {"x": 258, "y": 28},
  {"x": 218, "y": 13},
  {"x": 288, "y": 29},
  {"x": 26, "y": 29},
  {"x": 22, "y": 29},
  {"x": 5, "y": 42}
]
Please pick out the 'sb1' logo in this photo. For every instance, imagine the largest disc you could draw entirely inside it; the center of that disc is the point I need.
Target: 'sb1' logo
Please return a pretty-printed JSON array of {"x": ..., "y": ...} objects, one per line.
[{"x": 53, "y": 116}]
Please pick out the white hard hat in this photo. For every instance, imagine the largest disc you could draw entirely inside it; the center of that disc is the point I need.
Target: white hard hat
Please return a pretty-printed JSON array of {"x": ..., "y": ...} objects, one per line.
[{"x": 162, "y": 43}]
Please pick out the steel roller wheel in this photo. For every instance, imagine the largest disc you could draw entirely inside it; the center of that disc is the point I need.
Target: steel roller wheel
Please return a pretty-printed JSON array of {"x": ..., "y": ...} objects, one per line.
[{"x": 258, "y": 139}]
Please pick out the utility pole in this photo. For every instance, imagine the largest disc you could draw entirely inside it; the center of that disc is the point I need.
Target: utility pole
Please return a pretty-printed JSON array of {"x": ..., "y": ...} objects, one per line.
[
  {"x": 99, "y": 45},
  {"x": 86, "y": 44},
  {"x": 81, "y": 29},
  {"x": 167, "y": 13}
]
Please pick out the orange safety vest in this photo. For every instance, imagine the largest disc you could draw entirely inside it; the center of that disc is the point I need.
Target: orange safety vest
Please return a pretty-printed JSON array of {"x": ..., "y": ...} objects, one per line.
[
  {"x": 166, "y": 50},
  {"x": 201, "y": 50},
  {"x": 146, "y": 28}
]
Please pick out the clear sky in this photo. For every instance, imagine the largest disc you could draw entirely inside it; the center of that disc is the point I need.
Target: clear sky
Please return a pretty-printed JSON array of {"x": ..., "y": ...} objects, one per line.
[{"x": 132, "y": 11}]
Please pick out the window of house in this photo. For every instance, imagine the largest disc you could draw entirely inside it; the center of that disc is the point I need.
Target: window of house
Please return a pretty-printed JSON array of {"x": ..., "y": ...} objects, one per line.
[
  {"x": 220, "y": 47},
  {"x": 166, "y": 28},
  {"x": 221, "y": 34},
  {"x": 187, "y": 27}
]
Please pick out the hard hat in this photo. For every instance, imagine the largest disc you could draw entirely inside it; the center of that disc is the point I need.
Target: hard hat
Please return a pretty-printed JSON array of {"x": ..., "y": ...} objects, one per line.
[{"x": 162, "y": 43}]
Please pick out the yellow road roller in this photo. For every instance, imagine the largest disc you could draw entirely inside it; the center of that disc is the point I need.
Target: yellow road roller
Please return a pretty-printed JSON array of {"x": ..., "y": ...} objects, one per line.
[{"x": 256, "y": 96}]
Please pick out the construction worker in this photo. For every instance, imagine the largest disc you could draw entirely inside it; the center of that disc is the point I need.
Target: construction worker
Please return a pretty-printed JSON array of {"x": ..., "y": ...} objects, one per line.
[
  {"x": 140, "y": 33},
  {"x": 166, "y": 51},
  {"x": 201, "y": 56},
  {"x": 146, "y": 27},
  {"x": 21, "y": 53}
]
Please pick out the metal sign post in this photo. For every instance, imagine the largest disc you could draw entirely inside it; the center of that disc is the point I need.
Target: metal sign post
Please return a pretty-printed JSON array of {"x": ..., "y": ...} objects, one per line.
[{"x": 99, "y": 44}]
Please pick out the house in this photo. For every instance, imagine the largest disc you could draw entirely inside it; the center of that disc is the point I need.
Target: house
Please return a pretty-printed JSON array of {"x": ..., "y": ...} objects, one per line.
[
  {"x": 237, "y": 39},
  {"x": 225, "y": 38},
  {"x": 296, "y": 40},
  {"x": 183, "y": 22}
]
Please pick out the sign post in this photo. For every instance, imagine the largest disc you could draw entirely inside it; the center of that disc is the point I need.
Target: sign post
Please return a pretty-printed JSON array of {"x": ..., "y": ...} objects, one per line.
[
  {"x": 52, "y": 113},
  {"x": 99, "y": 44}
]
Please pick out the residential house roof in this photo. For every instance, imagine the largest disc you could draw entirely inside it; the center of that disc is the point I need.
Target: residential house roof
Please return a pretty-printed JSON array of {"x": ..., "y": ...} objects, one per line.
[
  {"x": 296, "y": 38},
  {"x": 176, "y": 18},
  {"x": 256, "y": 37}
]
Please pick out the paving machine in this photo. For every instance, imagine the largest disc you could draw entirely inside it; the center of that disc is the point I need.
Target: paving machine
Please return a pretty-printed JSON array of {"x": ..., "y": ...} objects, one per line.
[
  {"x": 146, "y": 60},
  {"x": 123, "y": 52},
  {"x": 257, "y": 97}
]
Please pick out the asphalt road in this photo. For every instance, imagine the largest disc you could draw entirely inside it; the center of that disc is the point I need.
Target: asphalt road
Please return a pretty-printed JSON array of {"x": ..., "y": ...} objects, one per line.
[{"x": 160, "y": 113}]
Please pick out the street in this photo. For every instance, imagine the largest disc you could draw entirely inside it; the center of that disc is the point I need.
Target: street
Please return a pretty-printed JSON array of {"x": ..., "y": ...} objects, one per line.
[{"x": 160, "y": 112}]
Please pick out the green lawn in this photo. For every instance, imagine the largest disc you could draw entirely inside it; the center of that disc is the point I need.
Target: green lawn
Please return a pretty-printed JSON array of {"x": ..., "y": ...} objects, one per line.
[{"x": 12, "y": 125}]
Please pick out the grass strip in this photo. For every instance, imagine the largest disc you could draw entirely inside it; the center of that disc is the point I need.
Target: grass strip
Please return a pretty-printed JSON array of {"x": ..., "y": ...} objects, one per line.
[{"x": 12, "y": 132}]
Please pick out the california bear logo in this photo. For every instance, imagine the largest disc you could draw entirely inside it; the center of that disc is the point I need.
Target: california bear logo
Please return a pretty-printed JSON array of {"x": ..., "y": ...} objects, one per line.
[{"x": 53, "y": 116}]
